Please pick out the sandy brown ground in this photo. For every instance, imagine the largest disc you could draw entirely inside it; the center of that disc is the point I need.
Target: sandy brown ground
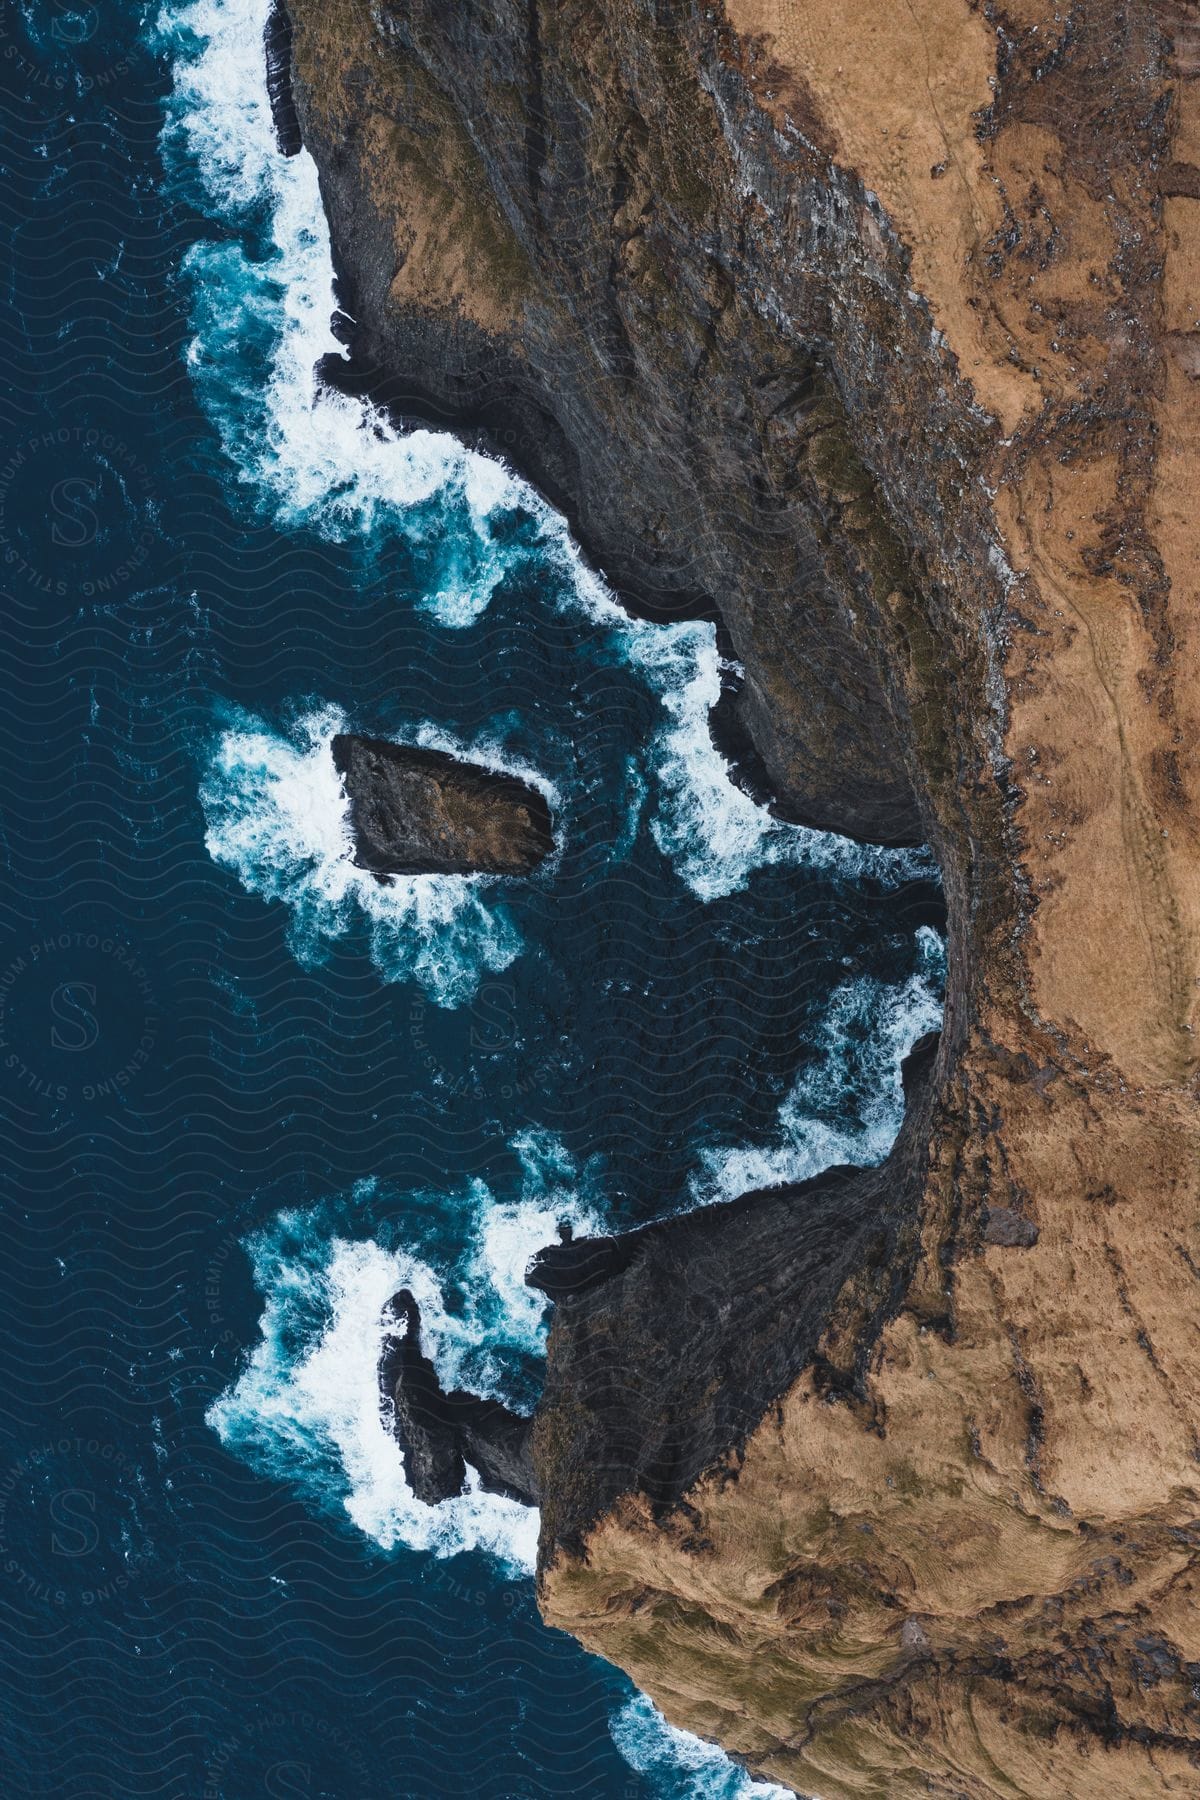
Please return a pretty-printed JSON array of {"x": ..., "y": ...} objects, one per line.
[
  {"x": 1019, "y": 1491},
  {"x": 1107, "y": 701}
]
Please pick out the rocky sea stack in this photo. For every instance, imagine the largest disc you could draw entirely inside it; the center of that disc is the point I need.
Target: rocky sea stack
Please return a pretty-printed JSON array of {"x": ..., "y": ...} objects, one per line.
[
  {"x": 439, "y": 1432},
  {"x": 425, "y": 812},
  {"x": 873, "y": 331}
]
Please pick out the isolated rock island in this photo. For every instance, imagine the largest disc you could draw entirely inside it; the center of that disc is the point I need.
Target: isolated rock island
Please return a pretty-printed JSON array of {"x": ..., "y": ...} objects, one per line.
[
  {"x": 871, "y": 330},
  {"x": 424, "y": 812}
]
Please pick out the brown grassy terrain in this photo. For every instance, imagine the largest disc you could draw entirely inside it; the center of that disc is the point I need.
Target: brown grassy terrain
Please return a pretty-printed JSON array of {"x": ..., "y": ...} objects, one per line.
[
  {"x": 904, "y": 1595},
  {"x": 879, "y": 323}
]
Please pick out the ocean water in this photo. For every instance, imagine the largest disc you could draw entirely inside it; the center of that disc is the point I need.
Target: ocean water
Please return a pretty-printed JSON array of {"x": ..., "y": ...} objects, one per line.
[{"x": 248, "y": 1091}]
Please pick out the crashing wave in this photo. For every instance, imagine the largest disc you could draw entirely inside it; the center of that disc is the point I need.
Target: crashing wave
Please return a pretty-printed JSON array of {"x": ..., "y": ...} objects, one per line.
[
  {"x": 306, "y": 1407},
  {"x": 847, "y": 1105},
  {"x": 680, "y": 1766},
  {"x": 714, "y": 832},
  {"x": 278, "y": 817},
  {"x": 262, "y": 306}
]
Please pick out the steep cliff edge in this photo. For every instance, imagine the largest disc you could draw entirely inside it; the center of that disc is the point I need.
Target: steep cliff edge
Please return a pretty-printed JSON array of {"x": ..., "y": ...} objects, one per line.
[{"x": 874, "y": 329}]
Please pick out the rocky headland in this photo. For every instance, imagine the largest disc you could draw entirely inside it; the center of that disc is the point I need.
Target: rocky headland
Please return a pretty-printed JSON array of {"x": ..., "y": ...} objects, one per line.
[
  {"x": 425, "y": 812},
  {"x": 872, "y": 331}
]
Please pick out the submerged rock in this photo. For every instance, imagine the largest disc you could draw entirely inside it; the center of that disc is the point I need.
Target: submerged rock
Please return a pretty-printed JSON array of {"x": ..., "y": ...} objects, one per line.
[{"x": 424, "y": 812}]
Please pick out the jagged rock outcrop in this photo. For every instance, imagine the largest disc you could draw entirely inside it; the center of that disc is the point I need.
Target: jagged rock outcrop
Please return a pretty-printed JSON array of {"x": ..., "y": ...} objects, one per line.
[
  {"x": 424, "y": 812},
  {"x": 672, "y": 1341},
  {"x": 439, "y": 1432},
  {"x": 643, "y": 1397},
  {"x": 277, "y": 49},
  {"x": 873, "y": 329}
]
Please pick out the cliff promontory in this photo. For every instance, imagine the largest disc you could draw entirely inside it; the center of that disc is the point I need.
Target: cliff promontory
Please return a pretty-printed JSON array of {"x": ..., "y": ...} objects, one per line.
[{"x": 871, "y": 329}]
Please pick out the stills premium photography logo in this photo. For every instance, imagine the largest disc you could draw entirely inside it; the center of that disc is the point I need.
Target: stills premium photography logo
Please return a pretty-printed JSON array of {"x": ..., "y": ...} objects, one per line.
[
  {"x": 77, "y": 513},
  {"x": 65, "y": 1523},
  {"x": 79, "y": 1020},
  {"x": 48, "y": 47},
  {"x": 246, "y": 1760}
]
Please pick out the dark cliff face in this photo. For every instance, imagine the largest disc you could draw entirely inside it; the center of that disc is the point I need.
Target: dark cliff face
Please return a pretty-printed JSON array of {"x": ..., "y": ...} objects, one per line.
[
  {"x": 670, "y": 1343},
  {"x": 574, "y": 230},
  {"x": 871, "y": 331},
  {"x": 277, "y": 50},
  {"x": 424, "y": 812},
  {"x": 693, "y": 428}
]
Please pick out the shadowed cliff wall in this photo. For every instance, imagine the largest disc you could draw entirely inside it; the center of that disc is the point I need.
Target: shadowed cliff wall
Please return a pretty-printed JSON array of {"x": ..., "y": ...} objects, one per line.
[{"x": 873, "y": 329}]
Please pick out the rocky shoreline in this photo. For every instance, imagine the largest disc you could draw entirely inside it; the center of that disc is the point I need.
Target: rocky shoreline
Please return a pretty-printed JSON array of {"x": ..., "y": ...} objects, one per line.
[
  {"x": 871, "y": 336},
  {"x": 642, "y": 1399}
]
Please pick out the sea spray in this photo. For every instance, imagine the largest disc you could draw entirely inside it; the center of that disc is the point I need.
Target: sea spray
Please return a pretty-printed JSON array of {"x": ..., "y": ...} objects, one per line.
[
  {"x": 713, "y": 831},
  {"x": 306, "y": 1407},
  {"x": 277, "y": 816},
  {"x": 678, "y": 1766},
  {"x": 314, "y": 1416},
  {"x": 262, "y": 306}
]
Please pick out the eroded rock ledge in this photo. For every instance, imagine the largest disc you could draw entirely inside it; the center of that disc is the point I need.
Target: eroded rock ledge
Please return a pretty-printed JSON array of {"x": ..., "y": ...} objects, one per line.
[{"x": 873, "y": 329}]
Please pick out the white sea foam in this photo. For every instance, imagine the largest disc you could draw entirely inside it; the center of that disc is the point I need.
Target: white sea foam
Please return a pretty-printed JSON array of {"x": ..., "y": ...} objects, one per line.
[
  {"x": 680, "y": 1765},
  {"x": 316, "y": 455},
  {"x": 278, "y": 817},
  {"x": 317, "y": 1417},
  {"x": 507, "y": 1315},
  {"x": 335, "y": 462},
  {"x": 847, "y": 1105},
  {"x": 715, "y": 834},
  {"x": 263, "y": 308},
  {"x": 307, "y": 1407}
]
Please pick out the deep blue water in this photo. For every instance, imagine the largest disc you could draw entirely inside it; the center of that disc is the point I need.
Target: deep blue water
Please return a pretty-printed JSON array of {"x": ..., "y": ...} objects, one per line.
[{"x": 245, "y": 1090}]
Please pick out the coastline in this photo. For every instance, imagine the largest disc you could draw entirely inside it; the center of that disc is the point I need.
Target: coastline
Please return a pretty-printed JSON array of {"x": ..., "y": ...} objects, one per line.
[{"x": 919, "y": 467}]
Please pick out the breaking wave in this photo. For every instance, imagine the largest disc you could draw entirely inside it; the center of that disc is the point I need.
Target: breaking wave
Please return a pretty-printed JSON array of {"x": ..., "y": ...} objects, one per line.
[
  {"x": 278, "y": 817},
  {"x": 714, "y": 832},
  {"x": 680, "y": 1766},
  {"x": 262, "y": 306},
  {"x": 847, "y": 1105},
  {"x": 306, "y": 1407}
]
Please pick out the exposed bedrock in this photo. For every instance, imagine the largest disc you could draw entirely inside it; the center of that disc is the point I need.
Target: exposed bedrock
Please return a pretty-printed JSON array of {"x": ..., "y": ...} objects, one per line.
[
  {"x": 673, "y": 1340},
  {"x": 873, "y": 330},
  {"x": 524, "y": 292},
  {"x": 439, "y": 1432},
  {"x": 424, "y": 812},
  {"x": 642, "y": 1397},
  {"x": 277, "y": 49}
]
